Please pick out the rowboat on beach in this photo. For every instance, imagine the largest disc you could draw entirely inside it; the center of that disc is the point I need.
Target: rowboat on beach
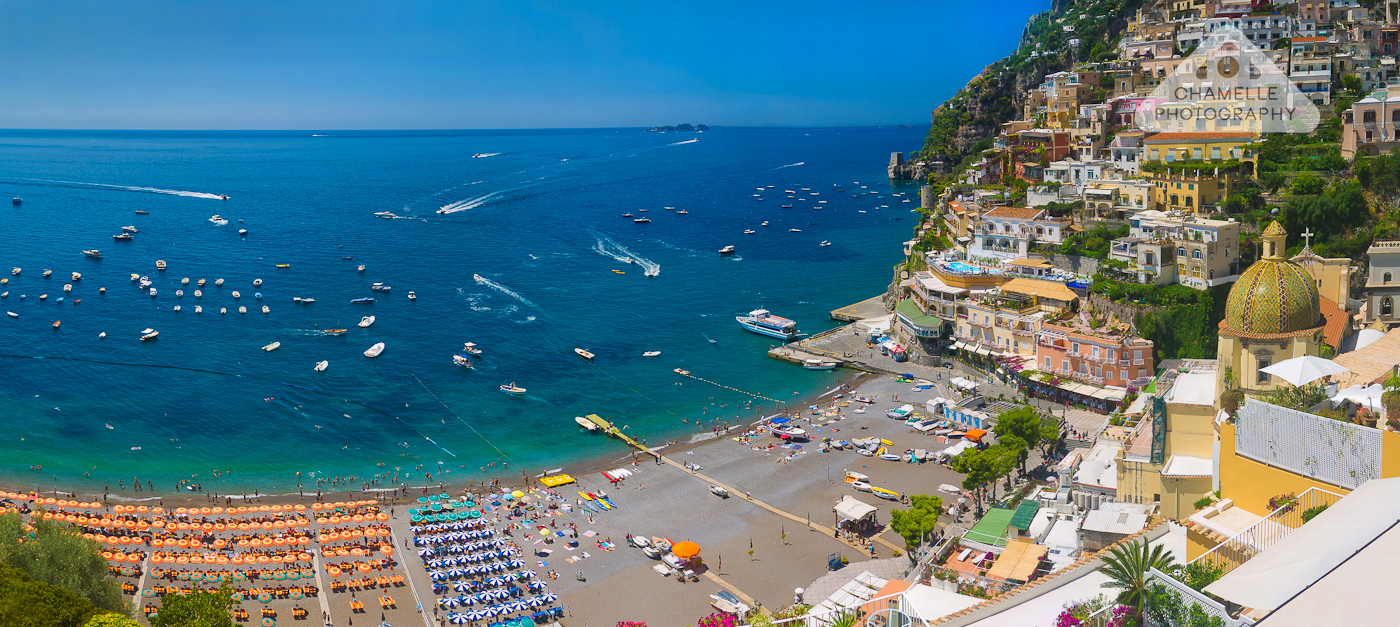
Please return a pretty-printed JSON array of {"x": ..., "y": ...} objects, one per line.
[{"x": 718, "y": 491}]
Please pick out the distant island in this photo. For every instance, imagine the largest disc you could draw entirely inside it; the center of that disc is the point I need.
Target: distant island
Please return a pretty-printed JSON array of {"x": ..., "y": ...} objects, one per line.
[{"x": 679, "y": 127}]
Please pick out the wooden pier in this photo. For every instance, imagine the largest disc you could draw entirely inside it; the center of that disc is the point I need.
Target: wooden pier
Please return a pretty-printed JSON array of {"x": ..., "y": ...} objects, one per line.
[{"x": 609, "y": 429}]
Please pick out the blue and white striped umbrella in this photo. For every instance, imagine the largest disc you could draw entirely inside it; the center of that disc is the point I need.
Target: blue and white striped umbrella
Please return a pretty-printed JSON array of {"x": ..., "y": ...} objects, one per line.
[
  {"x": 467, "y": 599},
  {"x": 527, "y": 573},
  {"x": 550, "y": 598},
  {"x": 457, "y": 619},
  {"x": 460, "y": 586},
  {"x": 424, "y": 552},
  {"x": 515, "y": 563},
  {"x": 484, "y": 596},
  {"x": 536, "y": 585},
  {"x": 518, "y": 606},
  {"x": 536, "y": 601},
  {"x": 499, "y": 594},
  {"x": 448, "y": 602},
  {"x": 456, "y": 572},
  {"x": 478, "y": 614},
  {"x": 416, "y": 529},
  {"x": 437, "y": 575}
]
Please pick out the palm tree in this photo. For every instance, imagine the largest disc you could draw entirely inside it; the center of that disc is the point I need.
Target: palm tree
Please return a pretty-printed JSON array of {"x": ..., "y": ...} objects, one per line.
[{"x": 1126, "y": 566}]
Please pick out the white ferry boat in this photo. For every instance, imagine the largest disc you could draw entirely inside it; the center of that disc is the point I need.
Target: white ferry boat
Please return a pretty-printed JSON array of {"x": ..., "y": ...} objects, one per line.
[{"x": 762, "y": 322}]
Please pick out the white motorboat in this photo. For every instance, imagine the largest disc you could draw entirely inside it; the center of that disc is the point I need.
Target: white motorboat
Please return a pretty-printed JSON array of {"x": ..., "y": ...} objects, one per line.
[
  {"x": 67, "y": 287},
  {"x": 375, "y": 350},
  {"x": 819, "y": 364},
  {"x": 583, "y": 353},
  {"x": 198, "y": 309},
  {"x": 749, "y": 231},
  {"x": 366, "y": 321},
  {"x": 47, "y": 273},
  {"x": 201, "y": 282},
  {"x": 102, "y": 335},
  {"x": 462, "y": 360},
  {"x": 236, "y": 294},
  {"x": 198, "y": 294},
  {"x": 257, "y": 282},
  {"x": 824, "y": 243},
  {"x": 794, "y": 230},
  {"x": 217, "y": 282},
  {"x": 12, "y": 314},
  {"x": 593, "y": 428},
  {"x": 130, "y": 229},
  {"x": 77, "y": 277},
  {"x": 512, "y": 388},
  {"x": 223, "y": 310},
  {"x": 385, "y": 214},
  {"x": 185, "y": 281},
  {"x": 651, "y": 353},
  {"x": 321, "y": 366},
  {"x": 727, "y": 250},
  {"x": 243, "y": 310},
  {"x": 242, "y": 231},
  {"x": 149, "y": 334},
  {"x": 272, "y": 347},
  {"x": 412, "y": 296},
  {"x": 361, "y": 269},
  {"x": 380, "y": 287},
  {"x": 217, "y": 219},
  {"x": 265, "y": 310},
  {"x": 762, "y": 322},
  {"x": 177, "y": 308},
  {"x": 15, "y": 271},
  {"x": 153, "y": 292},
  {"x": 765, "y": 223},
  {"x": 179, "y": 293},
  {"x": 470, "y": 347},
  {"x": 307, "y": 301},
  {"x": 160, "y": 264}
]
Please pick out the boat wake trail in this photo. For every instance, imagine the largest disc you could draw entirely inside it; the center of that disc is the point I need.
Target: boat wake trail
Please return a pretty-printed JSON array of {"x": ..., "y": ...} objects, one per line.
[
  {"x": 132, "y": 188},
  {"x": 481, "y": 280},
  {"x": 485, "y": 155},
  {"x": 608, "y": 247},
  {"x": 472, "y": 203},
  {"x": 688, "y": 141},
  {"x": 790, "y": 165}
]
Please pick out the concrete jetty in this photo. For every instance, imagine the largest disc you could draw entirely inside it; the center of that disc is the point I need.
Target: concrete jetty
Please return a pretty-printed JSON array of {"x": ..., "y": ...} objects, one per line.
[{"x": 868, "y": 308}]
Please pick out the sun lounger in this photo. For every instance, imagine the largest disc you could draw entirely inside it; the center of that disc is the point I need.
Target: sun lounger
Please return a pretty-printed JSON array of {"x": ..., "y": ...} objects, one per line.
[{"x": 963, "y": 556}]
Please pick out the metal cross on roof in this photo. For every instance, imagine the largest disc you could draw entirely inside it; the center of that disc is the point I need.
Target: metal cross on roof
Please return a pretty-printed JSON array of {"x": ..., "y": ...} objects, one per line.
[{"x": 1307, "y": 238}]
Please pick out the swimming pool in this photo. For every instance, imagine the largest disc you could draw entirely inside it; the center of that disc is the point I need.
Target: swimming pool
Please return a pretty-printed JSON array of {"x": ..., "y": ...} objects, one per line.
[{"x": 958, "y": 266}]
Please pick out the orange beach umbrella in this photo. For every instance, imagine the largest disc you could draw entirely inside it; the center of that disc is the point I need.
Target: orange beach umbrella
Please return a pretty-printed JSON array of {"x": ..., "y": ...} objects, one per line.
[{"x": 686, "y": 550}]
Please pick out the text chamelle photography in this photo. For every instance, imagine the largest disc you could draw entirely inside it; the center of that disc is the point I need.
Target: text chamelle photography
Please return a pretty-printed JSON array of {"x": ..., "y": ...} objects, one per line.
[{"x": 519, "y": 314}]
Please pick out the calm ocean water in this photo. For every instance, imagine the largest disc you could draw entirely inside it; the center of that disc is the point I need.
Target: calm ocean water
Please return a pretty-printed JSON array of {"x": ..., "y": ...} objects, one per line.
[{"x": 540, "y": 219}]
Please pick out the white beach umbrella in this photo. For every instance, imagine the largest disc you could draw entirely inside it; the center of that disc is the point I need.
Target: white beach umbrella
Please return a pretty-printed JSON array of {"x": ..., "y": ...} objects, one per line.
[
  {"x": 437, "y": 575},
  {"x": 527, "y": 573},
  {"x": 1304, "y": 370},
  {"x": 460, "y": 586},
  {"x": 536, "y": 601},
  {"x": 457, "y": 619},
  {"x": 550, "y": 598},
  {"x": 448, "y": 602},
  {"x": 536, "y": 585}
]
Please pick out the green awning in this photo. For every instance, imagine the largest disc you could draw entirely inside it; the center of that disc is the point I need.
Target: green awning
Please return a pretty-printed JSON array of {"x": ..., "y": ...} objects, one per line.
[
  {"x": 908, "y": 309},
  {"x": 1025, "y": 513}
]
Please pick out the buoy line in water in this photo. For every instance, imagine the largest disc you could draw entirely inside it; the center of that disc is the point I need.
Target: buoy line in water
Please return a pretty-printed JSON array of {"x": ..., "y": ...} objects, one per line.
[
  {"x": 240, "y": 376},
  {"x": 731, "y": 389},
  {"x": 465, "y": 423}
]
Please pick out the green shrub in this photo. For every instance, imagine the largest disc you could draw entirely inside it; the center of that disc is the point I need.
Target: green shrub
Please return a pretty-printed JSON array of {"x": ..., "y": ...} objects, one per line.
[{"x": 1203, "y": 502}]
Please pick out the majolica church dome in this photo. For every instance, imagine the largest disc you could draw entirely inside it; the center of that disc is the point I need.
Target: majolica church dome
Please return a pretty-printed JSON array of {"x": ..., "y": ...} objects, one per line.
[{"x": 1274, "y": 296}]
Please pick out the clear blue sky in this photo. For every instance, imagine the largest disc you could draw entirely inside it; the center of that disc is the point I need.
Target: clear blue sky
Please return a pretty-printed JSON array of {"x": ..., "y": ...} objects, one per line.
[{"x": 400, "y": 64}]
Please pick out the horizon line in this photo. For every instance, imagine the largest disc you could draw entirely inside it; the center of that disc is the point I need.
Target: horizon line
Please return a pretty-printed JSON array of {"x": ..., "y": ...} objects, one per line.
[{"x": 439, "y": 130}]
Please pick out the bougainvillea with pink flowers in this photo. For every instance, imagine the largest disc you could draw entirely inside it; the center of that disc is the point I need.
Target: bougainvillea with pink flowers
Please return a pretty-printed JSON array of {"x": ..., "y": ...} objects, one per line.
[
  {"x": 628, "y": 623},
  {"x": 719, "y": 620}
]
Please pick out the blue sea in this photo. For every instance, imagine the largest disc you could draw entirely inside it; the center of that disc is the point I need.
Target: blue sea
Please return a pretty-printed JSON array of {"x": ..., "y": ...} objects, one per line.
[{"x": 540, "y": 220}]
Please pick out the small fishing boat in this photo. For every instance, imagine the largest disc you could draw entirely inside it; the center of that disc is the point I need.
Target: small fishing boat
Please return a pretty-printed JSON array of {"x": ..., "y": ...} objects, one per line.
[
  {"x": 67, "y": 287},
  {"x": 48, "y": 273},
  {"x": 179, "y": 293},
  {"x": 321, "y": 366},
  {"x": 366, "y": 321},
  {"x": 124, "y": 237},
  {"x": 361, "y": 269},
  {"x": 257, "y": 282},
  {"x": 586, "y": 424},
  {"x": 265, "y": 310},
  {"x": 272, "y": 347},
  {"x": 511, "y": 388},
  {"x": 43, "y": 297},
  {"x": 284, "y": 265},
  {"x": 362, "y": 300},
  {"x": 257, "y": 295},
  {"x": 307, "y": 301},
  {"x": 60, "y": 299},
  {"x": 682, "y": 212},
  {"x": 223, "y": 310},
  {"x": 794, "y": 230},
  {"x": 12, "y": 314},
  {"x": 101, "y": 290},
  {"x": 749, "y": 231},
  {"x": 236, "y": 294},
  {"x": 824, "y": 243},
  {"x": 412, "y": 296},
  {"x": 242, "y": 231},
  {"x": 185, "y": 281},
  {"x": 177, "y": 307},
  {"x": 727, "y": 250},
  {"x": 462, "y": 360},
  {"x": 583, "y": 353},
  {"x": 651, "y": 353},
  {"x": 201, "y": 282},
  {"x": 142, "y": 212},
  {"x": 130, "y": 229},
  {"x": 387, "y": 215},
  {"x": 334, "y": 331},
  {"x": 94, "y": 253},
  {"x": 718, "y": 491},
  {"x": 380, "y": 287},
  {"x": 243, "y": 310},
  {"x": 198, "y": 309},
  {"x": 160, "y": 265},
  {"x": 375, "y": 350},
  {"x": 102, "y": 335},
  {"x": 198, "y": 294},
  {"x": 217, "y": 282},
  {"x": 818, "y": 364},
  {"x": 626, "y": 215},
  {"x": 149, "y": 334},
  {"x": 15, "y": 271},
  {"x": 55, "y": 323},
  {"x": 642, "y": 220},
  {"x": 470, "y": 347}
]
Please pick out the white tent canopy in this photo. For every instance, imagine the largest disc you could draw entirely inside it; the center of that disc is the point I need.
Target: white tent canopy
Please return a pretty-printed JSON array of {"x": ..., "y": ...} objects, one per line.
[
  {"x": 1368, "y": 397},
  {"x": 957, "y": 449},
  {"x": 852, "y": 509},
  {"x": 964, "y": 383},
  {"x": 878, "y": 323},
  {"x": 1305, "y": 369}
]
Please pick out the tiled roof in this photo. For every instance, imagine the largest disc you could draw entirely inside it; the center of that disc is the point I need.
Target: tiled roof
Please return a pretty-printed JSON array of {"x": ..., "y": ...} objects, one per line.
[
  {"x": 1048, "y": 289},
  {"x": 1336, "y": 322},
  {"x": 1020, "y": 213},
  {"x": 1275, "y": 228},
  {"x": 1160, "y": 138}
]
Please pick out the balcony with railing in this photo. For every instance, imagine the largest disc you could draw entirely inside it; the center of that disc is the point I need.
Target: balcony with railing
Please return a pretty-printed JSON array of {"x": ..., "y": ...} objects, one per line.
[{"x": 1267, "y": 532}]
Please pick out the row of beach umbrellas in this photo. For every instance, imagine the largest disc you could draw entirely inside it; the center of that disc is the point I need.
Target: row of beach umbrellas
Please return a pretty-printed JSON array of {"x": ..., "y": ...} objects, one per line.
[{"x": 502, "y": 608}]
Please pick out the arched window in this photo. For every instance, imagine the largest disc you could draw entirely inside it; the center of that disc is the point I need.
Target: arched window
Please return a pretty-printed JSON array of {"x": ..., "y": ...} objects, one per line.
[
  {"x": 1387, "y": 306},
  {"x": 1212, "y": 275},
  {"x": 1385, "y": 278},
  {"x": 1196, "y": 254},
  {"x": 1181, "y": 252}
]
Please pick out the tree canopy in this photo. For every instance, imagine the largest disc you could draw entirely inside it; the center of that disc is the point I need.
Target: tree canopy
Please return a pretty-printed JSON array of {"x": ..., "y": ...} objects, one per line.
[
  {"x": 986, "y": 466},
  {"x": 25, "y": 602},
  {"x": 111, "y": 620},
  {"x": 1024, "y": 423},
  {"x": 201, "y": 608},
  {"x": 54, "y": 553},
  {"x": 915, "y": 523},
  {"x": 1127, "y": 566}
]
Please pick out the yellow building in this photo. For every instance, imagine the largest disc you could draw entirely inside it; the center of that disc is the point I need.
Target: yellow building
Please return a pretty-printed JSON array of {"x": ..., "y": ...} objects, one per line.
[
  {"x": 1169, "y": 458},
  {"x": 1273, "y": 313},
  {"x": 1208, "y": 148},
  {"x": 1189, "y": 191}
]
